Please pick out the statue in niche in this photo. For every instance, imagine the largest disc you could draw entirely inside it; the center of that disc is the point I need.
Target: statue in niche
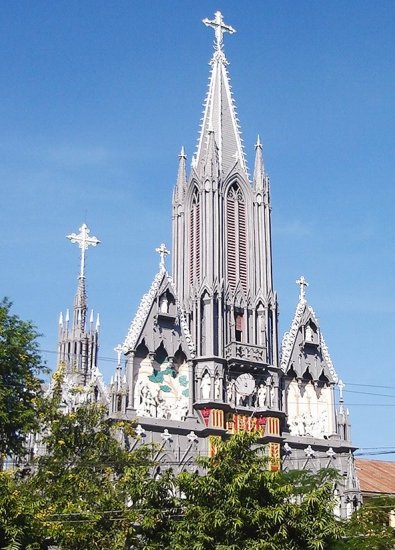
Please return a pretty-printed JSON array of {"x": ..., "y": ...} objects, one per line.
[
  {"x": 309, "y": 334},
  {"x": 231, "y": 392},
  {"x": 164, "y": 303},
  {"x": 217, "y": 388},
  {"x": 205, "y": 386},
  {"x": 261, "y": 396},
  {"x": 272, "y": 396}
]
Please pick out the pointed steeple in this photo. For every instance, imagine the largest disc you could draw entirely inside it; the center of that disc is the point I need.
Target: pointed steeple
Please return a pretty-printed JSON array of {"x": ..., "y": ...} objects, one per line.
[
  {"x": 219, "y": 114},
  {"x": 80, "y": 306},
  {"x": 259, "y": 169},
  {"x": 181, "y": 177}
]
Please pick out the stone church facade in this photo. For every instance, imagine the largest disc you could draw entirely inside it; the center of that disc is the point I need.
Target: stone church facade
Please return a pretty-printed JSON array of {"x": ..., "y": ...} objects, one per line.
[{"x": 201, "y": 357}]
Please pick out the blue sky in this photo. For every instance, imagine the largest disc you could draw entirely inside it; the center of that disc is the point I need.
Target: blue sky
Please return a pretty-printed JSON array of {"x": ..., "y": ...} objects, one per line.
[{"x": 97, "y": 99}]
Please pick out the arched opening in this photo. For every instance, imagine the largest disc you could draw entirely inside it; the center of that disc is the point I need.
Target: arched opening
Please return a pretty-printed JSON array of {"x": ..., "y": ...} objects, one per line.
[
  {"x": 194, "y": 233},
  {"x": 236, "y": 236}
]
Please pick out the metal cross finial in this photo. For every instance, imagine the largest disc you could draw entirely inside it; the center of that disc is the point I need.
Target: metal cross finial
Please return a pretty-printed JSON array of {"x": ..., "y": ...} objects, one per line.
[
  {"x": 118, "y": 350},
  {"x": 163, "y": 252},
  {"x": 84, "y": 240},
  {"x": 219, "y": 28},
  {"x": 302, "y": 283}
]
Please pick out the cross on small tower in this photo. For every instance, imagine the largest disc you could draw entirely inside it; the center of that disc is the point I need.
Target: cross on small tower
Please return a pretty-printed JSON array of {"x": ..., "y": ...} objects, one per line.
[
  {"x": 302, "y": 283},
  {"x": 163, "y": 252},
  {"x": 84, "y": 240},
  {"x": 341, "y": 386},
  {"x": 219, "y": 28},
  {"x": 118, "y": 350}
]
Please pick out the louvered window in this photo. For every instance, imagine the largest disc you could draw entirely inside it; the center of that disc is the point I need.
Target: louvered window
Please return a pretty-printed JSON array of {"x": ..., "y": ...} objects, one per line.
[
  {"x": 236, "y": 237},
  {"x": 194, "y": 260}
]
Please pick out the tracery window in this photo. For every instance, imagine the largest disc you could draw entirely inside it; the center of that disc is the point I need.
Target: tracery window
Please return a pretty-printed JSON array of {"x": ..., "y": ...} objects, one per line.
[
  {"x": 194, "y": 231},
  {"x": 236, "y": 236}
]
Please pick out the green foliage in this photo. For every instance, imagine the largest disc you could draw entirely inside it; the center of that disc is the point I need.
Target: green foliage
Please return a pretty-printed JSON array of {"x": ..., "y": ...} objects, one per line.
[
  {"x": 239, "y": 504},
  {"x": 20, "y": 387},
  {"x": 369, "y": 527}
]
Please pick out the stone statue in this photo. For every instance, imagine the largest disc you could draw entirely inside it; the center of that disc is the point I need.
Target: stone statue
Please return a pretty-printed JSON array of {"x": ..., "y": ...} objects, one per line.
[
  {"x": 217, "y": 388},
  {"x": 205, "y": 386},
  {"x": 231, "y": 392},
  {"x": 261, "y": 396}
]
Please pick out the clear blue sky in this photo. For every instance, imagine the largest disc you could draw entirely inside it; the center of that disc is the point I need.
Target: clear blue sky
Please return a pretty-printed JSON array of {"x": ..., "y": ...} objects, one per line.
[{"x": 96, "y": 99}]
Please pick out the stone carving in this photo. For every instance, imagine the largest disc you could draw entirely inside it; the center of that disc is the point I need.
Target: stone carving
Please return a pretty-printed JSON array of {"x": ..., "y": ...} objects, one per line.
[
  {"x": 306, "y": 425},
  {"x": 309, "y": 334},
  {"x": 161, "y": 392},
  {"x": 217, "y": 388},
  {"x": 245, "y": 351},
  {"x": 205, "y": 386},
  {"x": 231, "y": 392}
]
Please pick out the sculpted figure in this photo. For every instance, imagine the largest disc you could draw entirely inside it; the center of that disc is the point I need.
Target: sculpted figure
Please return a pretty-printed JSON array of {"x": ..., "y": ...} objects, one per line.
[
  {"x": 261, "y": 396},
  {"x": 217, "y": 388},
  {"x": 205, "y": 386}
]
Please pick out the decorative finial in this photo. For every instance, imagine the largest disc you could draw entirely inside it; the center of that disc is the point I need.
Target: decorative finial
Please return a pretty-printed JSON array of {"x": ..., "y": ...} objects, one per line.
[
  {"x": 182, "y": 154},
  {"x": 119, "y": 350},
  {"x": 163, "y": 252},
  {"x": 258, "y": 143},
  {"x": 84, "y": 240},
  {"x": 341, "y": 386},
  {"x": 302, "y": 283},
  {"x": 219, "y": 28}
]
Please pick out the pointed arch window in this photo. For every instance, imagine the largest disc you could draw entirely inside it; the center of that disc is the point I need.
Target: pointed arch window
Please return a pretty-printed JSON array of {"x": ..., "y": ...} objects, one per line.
[
  {"x": 236, "y": 236},
  {"x": 194, "y": 232}
]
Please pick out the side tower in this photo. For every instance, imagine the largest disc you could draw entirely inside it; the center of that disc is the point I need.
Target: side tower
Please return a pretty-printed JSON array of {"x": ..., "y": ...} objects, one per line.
[
  {"x": 318, "y": 434},
  {"x": 78, "y": 342}
]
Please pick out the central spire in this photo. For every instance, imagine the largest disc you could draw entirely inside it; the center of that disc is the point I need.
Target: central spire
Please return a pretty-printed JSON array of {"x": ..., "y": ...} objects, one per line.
[{"x": 220, "y": 117}]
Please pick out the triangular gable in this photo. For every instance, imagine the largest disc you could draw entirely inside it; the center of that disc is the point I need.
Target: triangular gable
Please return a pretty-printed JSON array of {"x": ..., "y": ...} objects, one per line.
[
  {"x": 293, "y": 340},
  {"x": 145, "y": 320}
]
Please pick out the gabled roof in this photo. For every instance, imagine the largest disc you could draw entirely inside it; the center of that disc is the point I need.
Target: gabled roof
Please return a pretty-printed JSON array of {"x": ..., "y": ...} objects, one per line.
[
  {"x": 220, "y": 117},
  {"x": 303, "y": 313},
  {"x": 161, "y": 280},
  {"x": 376, "y": 476}
]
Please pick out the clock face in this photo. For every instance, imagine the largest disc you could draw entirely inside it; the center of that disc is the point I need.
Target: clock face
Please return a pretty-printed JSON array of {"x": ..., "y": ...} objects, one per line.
[{"x": 245, "y": 384}]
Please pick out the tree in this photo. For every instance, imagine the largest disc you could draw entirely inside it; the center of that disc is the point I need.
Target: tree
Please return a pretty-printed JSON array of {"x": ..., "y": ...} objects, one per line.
[
  {"x": 89, "y": 491},
  {"x": 368, "y": 528},
  {"x": 20, "y": 386},
  {"x": 240, "y": 504}
]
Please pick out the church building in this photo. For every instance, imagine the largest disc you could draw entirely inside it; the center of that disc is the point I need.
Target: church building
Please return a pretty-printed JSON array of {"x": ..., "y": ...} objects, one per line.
[{"x": 201, "y": 357}]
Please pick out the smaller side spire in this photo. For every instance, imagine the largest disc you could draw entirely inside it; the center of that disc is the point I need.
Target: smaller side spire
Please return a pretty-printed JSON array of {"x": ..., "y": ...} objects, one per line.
[
  {"x": 181, "y": 176},
  {"x": 259, "y": 169},
  {"x": 211, "y": 162}
]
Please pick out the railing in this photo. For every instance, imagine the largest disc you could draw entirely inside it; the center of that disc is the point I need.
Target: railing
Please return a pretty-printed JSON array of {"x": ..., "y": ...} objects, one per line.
[{"x": 245, "y": 352}]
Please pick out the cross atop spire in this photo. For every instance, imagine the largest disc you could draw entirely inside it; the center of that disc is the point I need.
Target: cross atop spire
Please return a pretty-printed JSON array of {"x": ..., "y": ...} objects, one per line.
[
  {"x": 303, "y": 284},
  {"x": 84, "y": 240},
  {"x": 219, "y": 28},
  {"x": 163, "y": 252}
]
